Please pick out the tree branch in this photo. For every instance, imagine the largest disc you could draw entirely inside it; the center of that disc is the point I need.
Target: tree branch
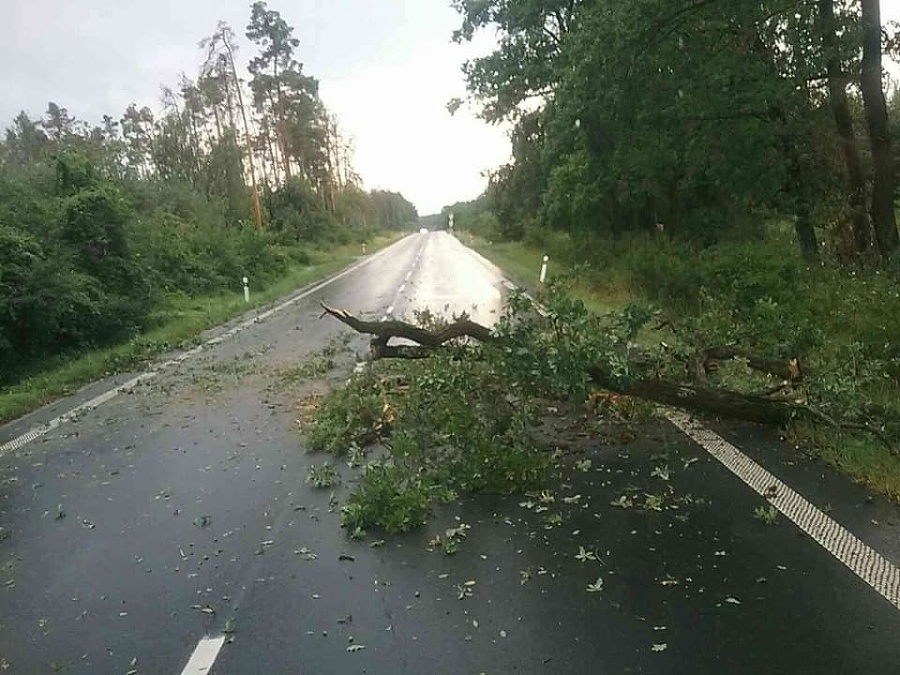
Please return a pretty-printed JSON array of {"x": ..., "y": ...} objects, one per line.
[{"x": 385, "y": 330}]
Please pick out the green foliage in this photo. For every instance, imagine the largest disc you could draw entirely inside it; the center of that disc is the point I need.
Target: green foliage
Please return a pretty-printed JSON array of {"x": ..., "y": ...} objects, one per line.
[
  {"x": 758, "y": 295},
  {"x": 633, "y": 136},
  {"x": 767, "y": 515},
  {"x": 548, "y": 354},
  {"x": 764, "y": 298},
  {"x": 296, "y": 212},
  {"x": 352, "y": 413},
  {"x": 104, "y": 255},
  {"x": 388, "y": 498},
  {"x": 324, "y": 476},
  {"x": 447, "y": 425},
  {"x": 102, "y": 225}
]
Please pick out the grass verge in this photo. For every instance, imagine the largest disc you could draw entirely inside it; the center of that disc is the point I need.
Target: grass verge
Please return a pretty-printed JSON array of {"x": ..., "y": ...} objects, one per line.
[
  {"x": 181, "y": 320},
  {"x": 521, "y": 262}
]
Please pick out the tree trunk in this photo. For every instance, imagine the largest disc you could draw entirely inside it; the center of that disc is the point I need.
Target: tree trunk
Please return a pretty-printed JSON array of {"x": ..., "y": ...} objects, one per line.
[
  {"x": 277, "y": 109},
  {"x": 229, "y": 102},
  {"x": 883, "y": 217},
  {"x": 837, "y": 94},
  {"x": 806, "y": 233},
  {"x": 240, "y": 97},
  {"x": 218, "y": 122}
]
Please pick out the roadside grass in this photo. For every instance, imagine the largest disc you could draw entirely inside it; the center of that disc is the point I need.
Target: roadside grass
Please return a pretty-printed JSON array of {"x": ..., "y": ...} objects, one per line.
[
  {"x": 853, "y": 318},
  {"x": 865, "y": 461},
  {"x": 179, "y": 321},
  {"x": 522, "y": 264}
]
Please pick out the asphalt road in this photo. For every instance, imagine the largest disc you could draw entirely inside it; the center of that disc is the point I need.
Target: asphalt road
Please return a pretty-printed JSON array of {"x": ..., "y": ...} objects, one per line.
[{"x": 172, "y": 523}]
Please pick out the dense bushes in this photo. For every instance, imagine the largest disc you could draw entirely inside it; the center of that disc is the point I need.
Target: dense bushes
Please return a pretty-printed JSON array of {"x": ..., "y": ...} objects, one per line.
[{"x": 84, "y": 259}]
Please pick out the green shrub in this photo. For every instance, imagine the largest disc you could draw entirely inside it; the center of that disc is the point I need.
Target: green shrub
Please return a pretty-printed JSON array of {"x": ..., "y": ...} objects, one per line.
[
  {"x": 387, "y": 498},
  {"x": 666, "y": 274}
]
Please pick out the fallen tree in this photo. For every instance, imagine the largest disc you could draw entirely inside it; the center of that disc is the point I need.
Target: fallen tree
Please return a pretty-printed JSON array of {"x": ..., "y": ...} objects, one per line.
[{"x": 692, "y": 393}]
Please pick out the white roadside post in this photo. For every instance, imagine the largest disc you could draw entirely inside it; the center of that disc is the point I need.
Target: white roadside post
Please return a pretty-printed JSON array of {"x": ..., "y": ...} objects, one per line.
[
  {"x": 451, "y": 222},
  {"x": 544, "y": 268},
  {"x": 246, "y": 289},
  {"x": 364, "y": 248}
]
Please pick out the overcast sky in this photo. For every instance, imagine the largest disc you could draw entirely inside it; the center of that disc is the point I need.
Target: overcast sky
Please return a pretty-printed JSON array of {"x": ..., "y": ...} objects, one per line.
[{"x": 387, "y": 68}]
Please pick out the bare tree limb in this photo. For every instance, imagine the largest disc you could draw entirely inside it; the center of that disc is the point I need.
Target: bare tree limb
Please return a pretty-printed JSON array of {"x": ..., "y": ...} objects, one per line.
[{"x": 385, "y": 330}]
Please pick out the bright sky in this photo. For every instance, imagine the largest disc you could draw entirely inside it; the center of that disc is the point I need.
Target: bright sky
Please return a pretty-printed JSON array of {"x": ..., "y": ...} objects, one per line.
[{"x": 387, "y": 68}]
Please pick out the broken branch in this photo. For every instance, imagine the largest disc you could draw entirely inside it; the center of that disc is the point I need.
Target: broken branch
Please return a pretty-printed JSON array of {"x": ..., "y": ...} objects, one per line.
[{"x": 385, "y": 330}]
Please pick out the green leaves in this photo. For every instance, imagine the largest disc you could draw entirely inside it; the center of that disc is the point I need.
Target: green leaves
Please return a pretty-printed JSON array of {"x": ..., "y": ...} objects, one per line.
[{"x": 620, "y": 109}]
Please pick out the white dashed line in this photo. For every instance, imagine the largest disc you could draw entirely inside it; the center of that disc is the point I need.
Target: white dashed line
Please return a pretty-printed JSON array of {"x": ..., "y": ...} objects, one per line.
[
  {"x": 858, "y": 557},
  {"x": 390, "y": 310},
  {"x": 36, "y": 432},
  {"x": 204, "y": 656}
]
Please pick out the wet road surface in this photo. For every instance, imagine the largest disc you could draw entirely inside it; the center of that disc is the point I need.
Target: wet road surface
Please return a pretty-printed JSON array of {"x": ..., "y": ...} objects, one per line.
[{"x": 138, "y": 535}]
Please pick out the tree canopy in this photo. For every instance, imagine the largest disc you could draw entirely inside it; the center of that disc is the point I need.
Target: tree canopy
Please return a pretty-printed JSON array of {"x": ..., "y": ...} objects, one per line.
[{"x": 694, "y": 114}]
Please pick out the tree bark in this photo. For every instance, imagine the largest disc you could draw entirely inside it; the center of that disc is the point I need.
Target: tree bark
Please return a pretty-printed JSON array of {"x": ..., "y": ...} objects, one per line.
[
  {"x": 257, "y": 212},
  {"x": 385, "y": 330},
  {"x": 883, "y": 218},
  {"x": 704, "y": 400},
  {"x": 837, "y": 95},
  {"x": 806, "y": 233},
  {"x": 277, "y": 110}
]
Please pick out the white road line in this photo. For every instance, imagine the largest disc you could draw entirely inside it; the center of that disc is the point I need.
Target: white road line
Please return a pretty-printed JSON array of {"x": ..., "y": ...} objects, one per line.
[
  {"x": 401, "y": 289},
  {"x": 204, "y": 656},
  {"x": 38, "y": 431},
  {"x": 859, "y": 558}
]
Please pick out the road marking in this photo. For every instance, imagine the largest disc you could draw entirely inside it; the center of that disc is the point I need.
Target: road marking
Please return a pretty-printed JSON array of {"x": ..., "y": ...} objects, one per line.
[
  {"x": 390, "y": 310},
  {"x": 401, "y": 289},
  {"x": 204, "y": 656},
  {"x": 858, "y": 557},
  {"x": 36, "y": 432}
]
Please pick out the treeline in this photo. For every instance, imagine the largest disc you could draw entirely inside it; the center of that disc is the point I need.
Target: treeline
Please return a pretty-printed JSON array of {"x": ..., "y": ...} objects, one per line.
[
  {"x": 698, "y": 118},
  {"x": 99, "y": 222}
]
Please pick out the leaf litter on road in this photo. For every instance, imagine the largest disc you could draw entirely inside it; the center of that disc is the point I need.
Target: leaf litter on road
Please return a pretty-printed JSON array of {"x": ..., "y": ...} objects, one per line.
[{"x": 306, "y": 553}]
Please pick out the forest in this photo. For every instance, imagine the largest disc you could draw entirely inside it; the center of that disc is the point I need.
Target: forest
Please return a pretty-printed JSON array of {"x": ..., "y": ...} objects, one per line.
[
  {"x": 238, "y": 174},
  {"x": 729, "y": 167},
  {"x": 702, "y": 117}
]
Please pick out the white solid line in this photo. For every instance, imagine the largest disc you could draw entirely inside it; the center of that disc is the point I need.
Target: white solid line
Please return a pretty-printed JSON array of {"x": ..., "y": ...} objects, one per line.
[
  {"x": 36, "y": 432},
  {"x": 204, "y": 656},
  {"x": 859, "y": 558}
]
